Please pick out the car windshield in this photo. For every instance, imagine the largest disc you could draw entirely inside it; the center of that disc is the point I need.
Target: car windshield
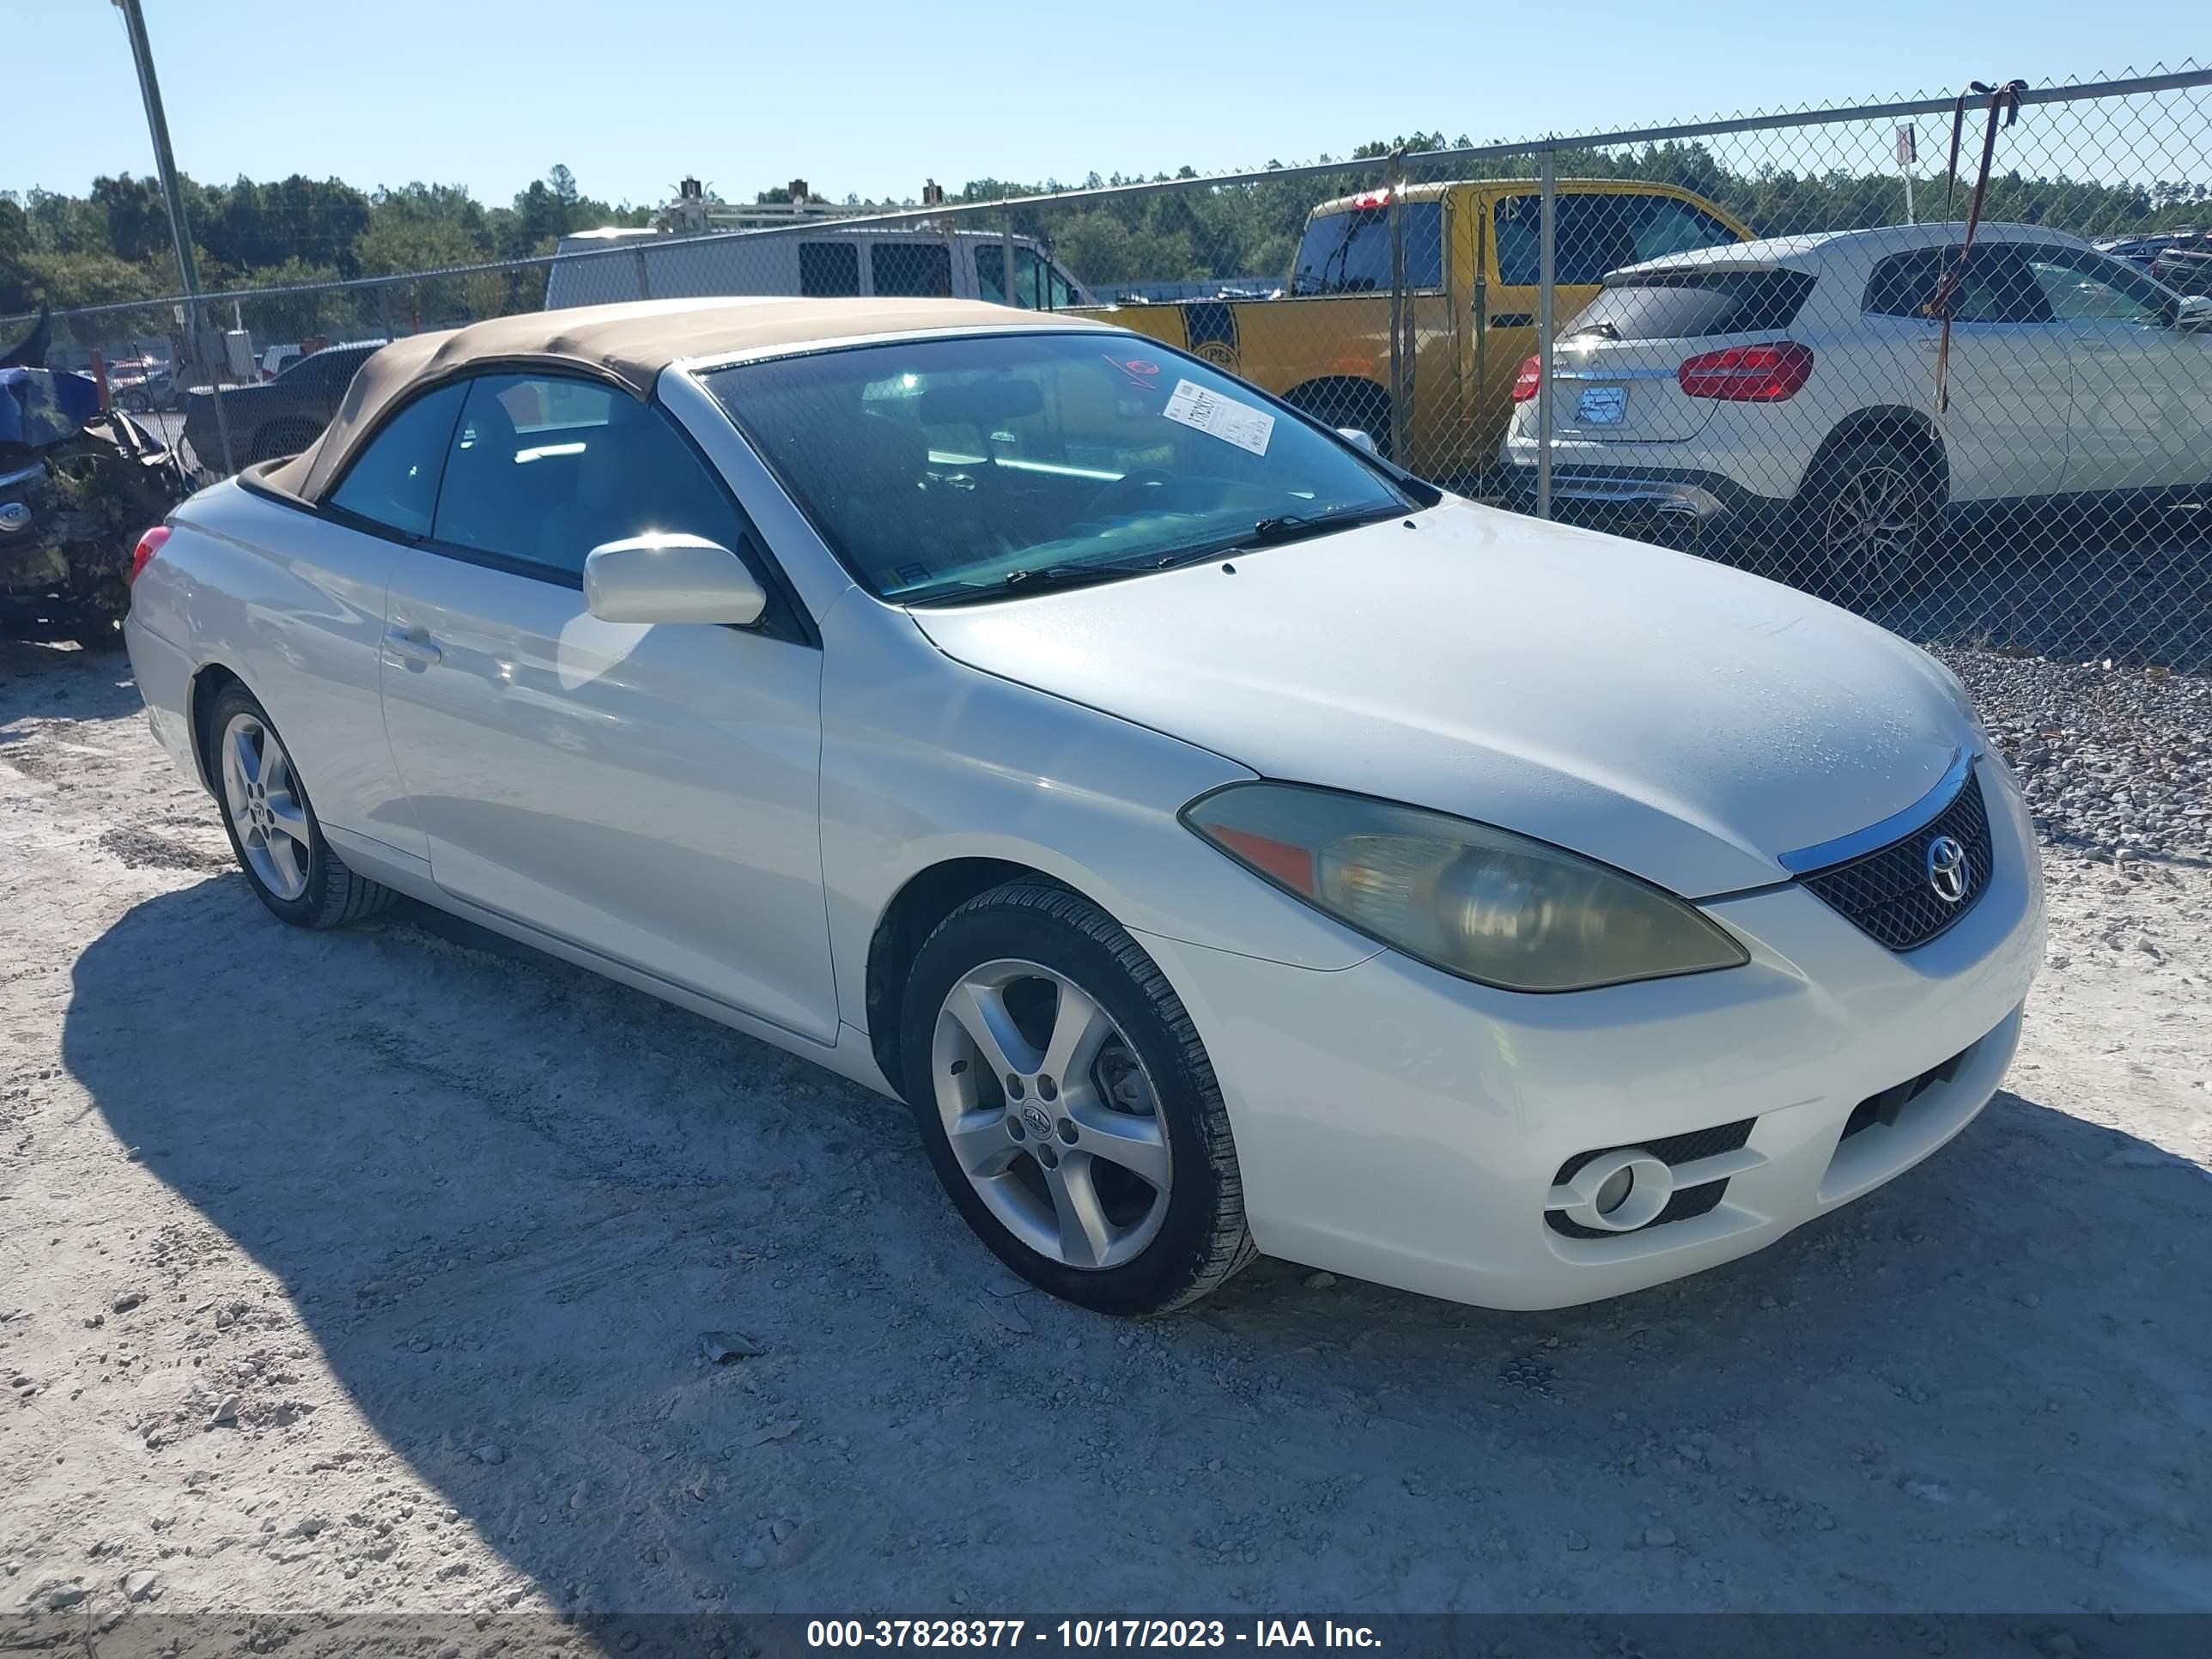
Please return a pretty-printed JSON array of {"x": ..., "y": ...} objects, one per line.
[{"x": 970, "y": 468}]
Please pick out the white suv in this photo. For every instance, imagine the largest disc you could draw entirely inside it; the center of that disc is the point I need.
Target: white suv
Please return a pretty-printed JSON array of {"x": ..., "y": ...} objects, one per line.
[{"x": 1787, "y": 388}]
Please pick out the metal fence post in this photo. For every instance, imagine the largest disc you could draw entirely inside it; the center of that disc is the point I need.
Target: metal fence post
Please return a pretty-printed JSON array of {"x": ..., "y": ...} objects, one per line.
[
  {"x": 1006, "y": 253},
  {"x": 644, "y": 277},
  {"x": 1400, "y": 353},
  {"x": 1547, "y": 282}
]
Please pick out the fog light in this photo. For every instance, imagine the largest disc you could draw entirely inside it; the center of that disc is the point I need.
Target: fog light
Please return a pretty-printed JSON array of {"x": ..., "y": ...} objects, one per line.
[
  {"x": 1616, "y": 1192},
  {"x": 1616, "y": 1189}
]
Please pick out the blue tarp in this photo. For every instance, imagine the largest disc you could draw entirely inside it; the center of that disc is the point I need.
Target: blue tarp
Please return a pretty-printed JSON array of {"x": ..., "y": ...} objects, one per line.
[{"x": 39, "y": 407}]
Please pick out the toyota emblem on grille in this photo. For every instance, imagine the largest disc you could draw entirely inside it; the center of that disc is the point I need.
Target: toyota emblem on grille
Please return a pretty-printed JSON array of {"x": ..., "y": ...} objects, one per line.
[{"x": 1947, "y": 869}]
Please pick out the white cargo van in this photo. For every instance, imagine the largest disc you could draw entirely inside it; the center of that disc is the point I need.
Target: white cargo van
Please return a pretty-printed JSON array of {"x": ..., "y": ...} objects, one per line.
[{"x": 810, "y": 260}]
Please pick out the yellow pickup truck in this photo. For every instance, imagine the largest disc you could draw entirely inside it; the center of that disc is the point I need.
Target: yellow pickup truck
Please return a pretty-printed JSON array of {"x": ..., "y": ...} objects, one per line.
[{"x": 1471, "y": 268}]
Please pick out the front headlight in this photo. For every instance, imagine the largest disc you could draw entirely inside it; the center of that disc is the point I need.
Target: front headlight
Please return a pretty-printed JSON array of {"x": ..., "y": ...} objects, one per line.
[{"x": 1498, "y": 908}]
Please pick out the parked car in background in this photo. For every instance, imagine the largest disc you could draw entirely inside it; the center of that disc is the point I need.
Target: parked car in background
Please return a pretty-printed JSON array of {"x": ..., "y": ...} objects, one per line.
[
  {"x": 2144, "y": 250},
  {"x": 1786, "y": 389},
  {"x": 1222, "y": 841},
  {"x": 278, "y": 418},
  {"x": 2186, "y": 266},
  {"x": 814, "y": 261},
  {"x": 139, "y": 386},
  {"x": 1471, "y": 267}
]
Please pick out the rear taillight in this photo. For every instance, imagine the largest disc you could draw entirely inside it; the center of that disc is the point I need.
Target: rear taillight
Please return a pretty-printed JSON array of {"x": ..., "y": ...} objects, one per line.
[
  {"x": 1747, "y": 374},
  {"x": 1527, "y": 380},
  {"x": 148, "y": 545}
]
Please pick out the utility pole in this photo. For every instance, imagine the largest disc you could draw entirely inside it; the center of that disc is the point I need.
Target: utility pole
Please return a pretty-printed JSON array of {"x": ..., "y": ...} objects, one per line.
[{"x": 134, "y": 24}]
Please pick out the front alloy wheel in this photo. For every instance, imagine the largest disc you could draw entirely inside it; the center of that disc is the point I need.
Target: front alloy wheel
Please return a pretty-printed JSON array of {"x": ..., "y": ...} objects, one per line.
[
  {"x": 1050, "y": 1115},
  {"x": 1067, "y": 1104}
]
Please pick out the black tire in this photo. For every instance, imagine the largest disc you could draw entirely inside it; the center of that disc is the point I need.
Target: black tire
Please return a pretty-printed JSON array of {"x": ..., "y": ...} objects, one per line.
[
  {"x": 1863, "y": 524},
  {"x": 1202, "y": 1239},
  {"x": 334, "y": 894},
  {"x": 280, "y": 438}
]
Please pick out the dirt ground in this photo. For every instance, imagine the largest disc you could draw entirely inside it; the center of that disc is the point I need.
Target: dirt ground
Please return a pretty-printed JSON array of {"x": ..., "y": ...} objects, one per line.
[{"x": 367, "y": 1271}]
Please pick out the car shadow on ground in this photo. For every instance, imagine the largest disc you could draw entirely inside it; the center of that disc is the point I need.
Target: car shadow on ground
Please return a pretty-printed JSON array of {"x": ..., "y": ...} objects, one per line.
[{"x": 507, "y": 1197}]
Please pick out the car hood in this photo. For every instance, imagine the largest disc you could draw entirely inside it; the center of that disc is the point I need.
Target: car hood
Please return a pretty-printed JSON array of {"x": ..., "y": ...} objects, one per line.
[{"x": 1673, "y": 718}]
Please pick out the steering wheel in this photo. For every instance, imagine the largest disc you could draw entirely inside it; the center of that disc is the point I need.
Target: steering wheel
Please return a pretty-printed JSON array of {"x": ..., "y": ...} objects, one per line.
[{"x": 1109, "y": 502}]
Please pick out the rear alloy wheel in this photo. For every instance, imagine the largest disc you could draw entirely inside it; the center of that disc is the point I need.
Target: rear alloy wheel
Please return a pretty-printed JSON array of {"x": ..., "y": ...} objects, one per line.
[
  {"x": 1869, "y": 520},
  {"x": 1068, "y": 1105},
  {"x": 290, "y": 866}
]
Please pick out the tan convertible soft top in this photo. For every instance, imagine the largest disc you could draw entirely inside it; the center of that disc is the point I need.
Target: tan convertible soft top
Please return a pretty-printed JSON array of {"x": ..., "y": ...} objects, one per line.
[{"x": 631, "y": 343}]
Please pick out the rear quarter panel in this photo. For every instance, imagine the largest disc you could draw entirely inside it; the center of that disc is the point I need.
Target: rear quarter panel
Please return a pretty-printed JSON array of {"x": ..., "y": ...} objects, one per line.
[{"x": 293, "y": 606}]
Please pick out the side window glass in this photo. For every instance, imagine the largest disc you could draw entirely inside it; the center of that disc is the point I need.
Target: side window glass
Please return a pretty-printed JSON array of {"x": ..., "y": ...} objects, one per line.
[
  {"x": 829, "y": 271},
  {"x": 916, "y": 271},
  {"x": 1591, "y": 235},
  {"x": 542, "y": 469},
  {"x": 1904, "y": 285},
  {"x": 394, "y": 482},
  {"x": 990, "y": 272},
  {"x": 1995, "y": 287},
  {"x": 2000, "y": 288},
  {"x": 2079, "y": 289}
]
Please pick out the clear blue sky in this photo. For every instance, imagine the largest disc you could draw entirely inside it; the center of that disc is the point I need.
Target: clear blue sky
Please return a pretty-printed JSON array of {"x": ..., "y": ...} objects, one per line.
[{"x": 869, "y": 95}]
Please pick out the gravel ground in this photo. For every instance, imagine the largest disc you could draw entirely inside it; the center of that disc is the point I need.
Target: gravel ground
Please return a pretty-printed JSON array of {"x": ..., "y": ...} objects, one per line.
[
  {"x": 366, "y": 1272},
  {"x": 2116, "y": 762}
]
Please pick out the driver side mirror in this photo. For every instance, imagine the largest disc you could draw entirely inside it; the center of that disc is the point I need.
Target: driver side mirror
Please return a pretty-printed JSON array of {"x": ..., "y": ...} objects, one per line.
[
  {"x": 669, "y": 577},
  {"x": 1352, "y": 434}
]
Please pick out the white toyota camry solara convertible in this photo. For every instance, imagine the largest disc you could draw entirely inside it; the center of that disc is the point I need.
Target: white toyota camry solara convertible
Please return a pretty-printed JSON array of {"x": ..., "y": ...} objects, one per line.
[{"x": 1222, "y": 841}]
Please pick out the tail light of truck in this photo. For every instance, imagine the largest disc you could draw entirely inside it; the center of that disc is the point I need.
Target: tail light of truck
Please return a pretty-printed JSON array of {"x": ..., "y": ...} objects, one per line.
[
  {"x": 1527, "y": 381},
  {"x": 1747, "y": 374},
  {"x": 148, "y": 545}
]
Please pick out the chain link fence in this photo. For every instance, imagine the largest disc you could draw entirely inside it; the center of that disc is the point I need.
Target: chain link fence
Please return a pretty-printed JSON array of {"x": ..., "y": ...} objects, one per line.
[{"x": 1797, "y": 341}]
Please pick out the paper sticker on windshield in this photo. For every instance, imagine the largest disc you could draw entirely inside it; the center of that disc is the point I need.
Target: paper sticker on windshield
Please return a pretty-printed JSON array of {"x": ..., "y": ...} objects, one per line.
[{"x": 1221, "y": 417}]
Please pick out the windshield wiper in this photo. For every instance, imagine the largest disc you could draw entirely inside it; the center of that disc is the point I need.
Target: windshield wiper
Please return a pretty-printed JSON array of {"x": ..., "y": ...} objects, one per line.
[
  {"x": 1290, "y": 526},
  {"x": 1050, "y": 575}
]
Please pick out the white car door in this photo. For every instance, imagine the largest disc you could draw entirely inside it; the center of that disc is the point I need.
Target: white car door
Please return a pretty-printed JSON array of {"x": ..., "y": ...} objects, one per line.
[
  {"x": 650, "y": 793},
  {"x": 2141, "y": 386}
]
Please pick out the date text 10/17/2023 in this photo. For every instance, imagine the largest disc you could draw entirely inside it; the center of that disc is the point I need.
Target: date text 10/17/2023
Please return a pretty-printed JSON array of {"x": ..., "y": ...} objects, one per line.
[{"x": 1085, "y": 1634}]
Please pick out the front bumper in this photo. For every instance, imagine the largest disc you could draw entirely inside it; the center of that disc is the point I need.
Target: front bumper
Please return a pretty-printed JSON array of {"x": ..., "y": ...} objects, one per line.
[{"x": 1403, "y": 1126}]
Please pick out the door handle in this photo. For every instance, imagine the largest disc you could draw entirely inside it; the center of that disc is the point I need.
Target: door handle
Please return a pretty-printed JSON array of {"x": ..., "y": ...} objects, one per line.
[{"x": 410, "y": 647}]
